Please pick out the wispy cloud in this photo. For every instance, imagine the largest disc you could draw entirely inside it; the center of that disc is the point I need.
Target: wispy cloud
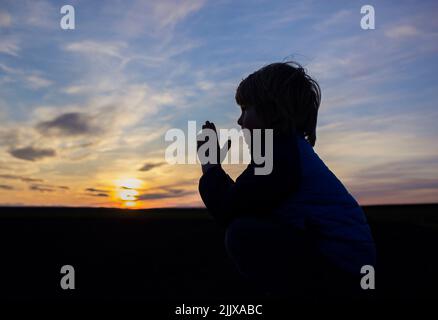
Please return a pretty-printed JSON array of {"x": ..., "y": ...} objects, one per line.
[
  {"x": 39, "y": 14},
  {"x": 47, "y": 187},
  {"x": 22, "y": 178},
  {"x": 5, "y": 19},
  {"x": 93, "y": 48},
  {"x": 9, "y": 46},
  {"x": 334, "y": 19},
  {"x": 41, "y": 188},
  {"x": 150, "y": 166},
  {"x": 153, "y": 18},
  {"x": 31, "y": 78},
  {"x": 402, "y": 31},
  {"x": 97, "y": 192},
  {"x": 36, "y": 81},
  {"x": 169, "y": 193}
]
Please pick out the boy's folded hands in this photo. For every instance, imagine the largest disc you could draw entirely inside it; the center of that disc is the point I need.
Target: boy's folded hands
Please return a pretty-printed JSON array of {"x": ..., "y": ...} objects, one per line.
[{"x": 209, "y": 131}]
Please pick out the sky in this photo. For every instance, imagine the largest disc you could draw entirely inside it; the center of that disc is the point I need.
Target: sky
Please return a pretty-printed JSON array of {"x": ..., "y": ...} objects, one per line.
[{"x": 84, "y": 112}]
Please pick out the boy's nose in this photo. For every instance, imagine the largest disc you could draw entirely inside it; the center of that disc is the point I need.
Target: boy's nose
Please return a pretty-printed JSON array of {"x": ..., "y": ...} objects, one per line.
[{"x": 239, "y": 121}]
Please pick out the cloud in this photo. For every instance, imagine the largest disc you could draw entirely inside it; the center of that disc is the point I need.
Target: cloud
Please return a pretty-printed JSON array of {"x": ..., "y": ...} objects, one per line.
[
  {"x": 47, "y": 187},
  {"x": 30, "y": 15},
  {"x": 397, "y": 191},
  {"x": 102, "y": 53},
  {"x": 115, "y": 114},
  {"x": 93, "y": 48},
  {"x": 118, "y": 122},
  {"x": 69, "y": 124},
  {"x": 170, "y": 193},
  {"x": 402, "y": 168},
  {"x": 37, "y": 82},
  {"x": 22, "y": 178},
  {"x": 32, "y": 79},
  {"x": 337, "y": 18},
  {"x": 152, "y": 17},
  {"x": 169, "y": 13},
  {"x": 9, "y": 46},
  {"x": 40, "y": 14},
  {"x": 100, "y": 195},
  {"x": 14, "y": 204},
  {"x": 7, "y": 69},
  {"x": 5, "y": 19},
  {"x": 103, "y": 85},
  {"x": 31, "y": 153},
  {"x": 407, "y": 174},
  {"x": 14, "y": 137},
  {"x": 150, "y": 166},
  {"x": 121, "y": 78},
  {"x": 6, "y": 187},
  {"x": 41, "y": 188},
  {"x": 96, "y": 192},
  {"x": 401, "y": 31}
]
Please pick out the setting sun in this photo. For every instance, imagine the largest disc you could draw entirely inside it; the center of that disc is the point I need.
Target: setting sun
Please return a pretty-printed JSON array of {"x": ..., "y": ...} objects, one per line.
[
  {"x": 129, "y": 183},
  {"x": 126, "y": 191},
  {"x": 128, "y": 194}
]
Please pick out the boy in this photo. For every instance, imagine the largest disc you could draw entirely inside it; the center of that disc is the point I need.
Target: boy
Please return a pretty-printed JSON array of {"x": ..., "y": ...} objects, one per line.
[{"x": 296, "y": 229}]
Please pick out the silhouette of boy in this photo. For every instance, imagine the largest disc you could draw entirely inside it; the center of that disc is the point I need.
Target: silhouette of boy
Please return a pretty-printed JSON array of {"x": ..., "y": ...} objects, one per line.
[{"x": 296, "y": 231}]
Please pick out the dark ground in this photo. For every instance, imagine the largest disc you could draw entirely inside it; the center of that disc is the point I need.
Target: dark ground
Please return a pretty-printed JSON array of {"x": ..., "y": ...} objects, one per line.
[{"x": 178, "y": 254}]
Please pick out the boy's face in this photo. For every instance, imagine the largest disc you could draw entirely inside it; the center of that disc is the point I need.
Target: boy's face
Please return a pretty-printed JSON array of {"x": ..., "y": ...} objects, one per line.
[{"x": 249, "y": 119}]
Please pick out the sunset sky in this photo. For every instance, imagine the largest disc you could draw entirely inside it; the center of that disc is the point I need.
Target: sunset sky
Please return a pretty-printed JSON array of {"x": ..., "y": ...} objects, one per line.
[{"x": 83, "y": 112}]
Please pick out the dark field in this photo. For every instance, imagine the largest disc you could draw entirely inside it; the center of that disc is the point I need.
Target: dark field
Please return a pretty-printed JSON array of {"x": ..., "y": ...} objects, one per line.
[{"x": 178, "y": 254}]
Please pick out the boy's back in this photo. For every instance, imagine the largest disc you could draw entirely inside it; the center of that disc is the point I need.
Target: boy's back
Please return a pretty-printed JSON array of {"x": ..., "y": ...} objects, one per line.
[{"x": 324, "y": 207}]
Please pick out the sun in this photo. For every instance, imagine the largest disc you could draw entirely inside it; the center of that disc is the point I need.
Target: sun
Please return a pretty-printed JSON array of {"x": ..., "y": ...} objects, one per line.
[{"x": 126, "y": 191}]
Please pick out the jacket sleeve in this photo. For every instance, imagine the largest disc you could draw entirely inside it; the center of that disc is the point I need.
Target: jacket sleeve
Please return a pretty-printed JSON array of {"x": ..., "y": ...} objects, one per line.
[{"x": 251, "y": 194}]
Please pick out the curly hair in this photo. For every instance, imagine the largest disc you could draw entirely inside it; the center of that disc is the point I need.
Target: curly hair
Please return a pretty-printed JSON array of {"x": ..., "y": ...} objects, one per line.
[{"x": 284, "y": 96}]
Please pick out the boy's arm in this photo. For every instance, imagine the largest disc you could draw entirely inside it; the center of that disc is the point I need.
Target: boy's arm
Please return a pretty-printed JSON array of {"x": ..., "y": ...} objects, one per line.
[{"x": 251, "y": 194}]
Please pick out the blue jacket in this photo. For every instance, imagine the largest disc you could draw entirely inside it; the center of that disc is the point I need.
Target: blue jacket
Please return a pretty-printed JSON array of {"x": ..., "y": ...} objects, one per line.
[
  {"x": 300, "y": 191},
  {"x": 324, "y": 207}
]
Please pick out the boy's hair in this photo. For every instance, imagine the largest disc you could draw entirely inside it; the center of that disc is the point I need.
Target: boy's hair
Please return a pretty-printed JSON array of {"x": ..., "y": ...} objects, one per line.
[{"x": 284, "y": 96}]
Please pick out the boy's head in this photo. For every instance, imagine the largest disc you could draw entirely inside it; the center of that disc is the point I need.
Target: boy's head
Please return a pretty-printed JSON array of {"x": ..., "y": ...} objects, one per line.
[{"x": 284, "y": 97}]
